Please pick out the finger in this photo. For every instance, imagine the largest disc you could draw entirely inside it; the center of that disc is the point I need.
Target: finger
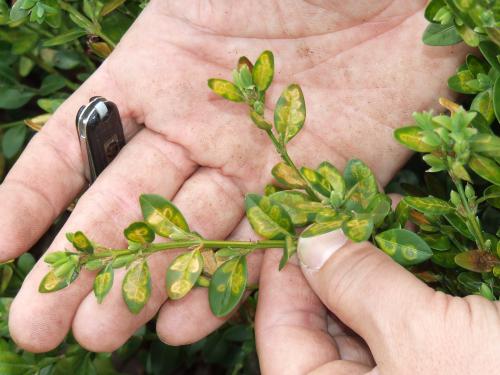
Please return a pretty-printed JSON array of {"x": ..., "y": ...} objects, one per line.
[
  {"x": 291, "y": 322},
  {"x": 212, "y": 204},
  {"x": 190, "y": 319},
  {"x": 39, "y": 322},
  {"x": 342, "y": 368},
  {"x": 363, "y": 286},
  {"x": 353, "y": 349},
  {"x": 49, "y": 173}
]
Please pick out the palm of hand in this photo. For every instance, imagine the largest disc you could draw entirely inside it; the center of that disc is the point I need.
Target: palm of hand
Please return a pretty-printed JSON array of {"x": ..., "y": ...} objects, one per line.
[{"x": 359, "y": 78}]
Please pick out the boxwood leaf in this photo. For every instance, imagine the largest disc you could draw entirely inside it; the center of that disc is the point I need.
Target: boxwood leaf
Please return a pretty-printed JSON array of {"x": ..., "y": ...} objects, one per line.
[
  {"x": 287, "y": 176},
  {"x": 163, "y": 216},
  {"x": 485, "y": 167},
  {"x": 334, "y": 178},
  {"x": 288, "y": 251},
  {"x": 410, "y": 136},
  {"x": 492, "y": 195},
  {"x": 103, "y": 282},
  {"x": 225, "y": 89},
  {"x": 268, "y": 219},
  {"x": 13, "y": 140},
  {"x": 139, "y": 232},
  {"x": 496, "y": 97},
  {"x": 459, "y": 82},
  {"x": 490, "y": 52},
  {"x": 136, "y": 286},
  {"x": 316, "y": 229},
  {"x": 298, "y": 206},
  {"x": 404, "y": 246},
  {"x": 183, "y": 273},
  {"x": 358, "y": 229},
  {"x": 64, "y": 38},
  {"x": 317, "y": 181},
  {"x": 445, "y": 259},
  {"x": 477, "y": 260},
  {"x": 429, "y": 205},
  {"x": 441, "y": 35},
  {"x": 486, "y": 144},
  {"x": 52, "y": 283},
  {"x": 263, "y": 71},
  {"x": 483, "y": 104},
  {"x": 457, "y": 223},
  {"x": 82, "y": 243},
  {"x": 290, "y": 112},
  {"x": 228, "y": 286},
  {"x": 361, "y": 185}
]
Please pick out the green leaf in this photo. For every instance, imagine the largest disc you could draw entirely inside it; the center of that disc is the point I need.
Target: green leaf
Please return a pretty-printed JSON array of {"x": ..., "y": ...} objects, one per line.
[
  {"x": 490, "y": 52},
  {"x": 161, "y": 215},
  {"x": 290, "y": 113},
  {"x": 260, "y": 121},
  {"x": 287, "y": 176},
  {"x": 492, "y": 195},
  {"x": 52, "y": 83},
  {"x": 429, "y": 205},
  {"x": 263, "y": 70},
  {"x": 457, "y": 223},
  {"x": 268, "y": 219},
  {"x": 183, "y": 273},
  {"x": 66, "y": 37},
  {"x": 103, "y": 282},
  {"x": 459, "y": 82},
  {"x": 13, "y": 140},
  {"x": 228, "y": 286},
  {"x": 485, "y": 167},
  {"x": 225, "y": 89},
  {"x": 110, "y": 6},
  {"x": 358, "y": 229},
  {"x": 432, "y": 8},
  {"x": 445, "y": 259},
  {"x": 242, "y": 61},
  {"x": 404, "y": 246},
  {"x": 317, "y": 229},
  {"x": 136, "y": 287},
  {"x": 477, "y": 260},
  {"x": 487, "y": 144},
  {"x": 441, "y": 35},
  {"x": 317, "y": 181},
  {"x": 496, "y": 97},
  {"x": 82, "y": 243},
  {"x": 298, "y": 206},
  {"x": 17, "y": 13},
  {"x": 288, "y": 251},
  {"x": 437, "y": 241},
  {"x": 14, "y": 364},
  {"x": 483, "y": 104},
  {"x": 470, "y": 282},
  {"x": 14, "y": 98},
  {"x": 139, "y": 232}
]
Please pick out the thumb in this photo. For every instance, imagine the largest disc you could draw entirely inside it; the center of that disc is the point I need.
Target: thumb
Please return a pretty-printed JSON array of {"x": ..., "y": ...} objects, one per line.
[{"x": 364, "y": 287}]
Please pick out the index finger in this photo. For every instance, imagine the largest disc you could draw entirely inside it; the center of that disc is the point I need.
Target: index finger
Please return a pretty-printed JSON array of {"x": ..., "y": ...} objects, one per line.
[{"x": 49, "y": 173}]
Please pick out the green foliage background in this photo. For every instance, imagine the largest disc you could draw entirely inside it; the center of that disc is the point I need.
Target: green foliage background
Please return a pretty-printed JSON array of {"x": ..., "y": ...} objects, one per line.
[{"x": 49, "y": 47}]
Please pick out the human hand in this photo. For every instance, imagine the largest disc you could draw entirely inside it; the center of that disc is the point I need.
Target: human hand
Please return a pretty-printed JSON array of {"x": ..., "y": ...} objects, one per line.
[
  {"x": 362, "y": 68},
  {"x": 408, "y": 327}
]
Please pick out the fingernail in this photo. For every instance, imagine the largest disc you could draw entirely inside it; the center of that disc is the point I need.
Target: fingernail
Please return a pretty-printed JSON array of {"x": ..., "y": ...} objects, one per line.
[{"x": 315, "y": 251}]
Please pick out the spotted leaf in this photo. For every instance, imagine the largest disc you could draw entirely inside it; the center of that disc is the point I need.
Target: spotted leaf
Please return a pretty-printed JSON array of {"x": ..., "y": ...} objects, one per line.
[
  {"x": 139, "y": 232},
  {"x": 228, "y": 286},
  {"x": 290, "y": 113},
  {"x": 161, "y": 215},
  {"x": 268, "y": 219},
  {"x": 225, "y": 89},
  {"x": 183, "y": 273},
  {"x": 404, "y": 246},
  {"x": 136, "y": 287},
  {"x": 263, "y": 71},
  {"x": 103, "y": 282}
]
